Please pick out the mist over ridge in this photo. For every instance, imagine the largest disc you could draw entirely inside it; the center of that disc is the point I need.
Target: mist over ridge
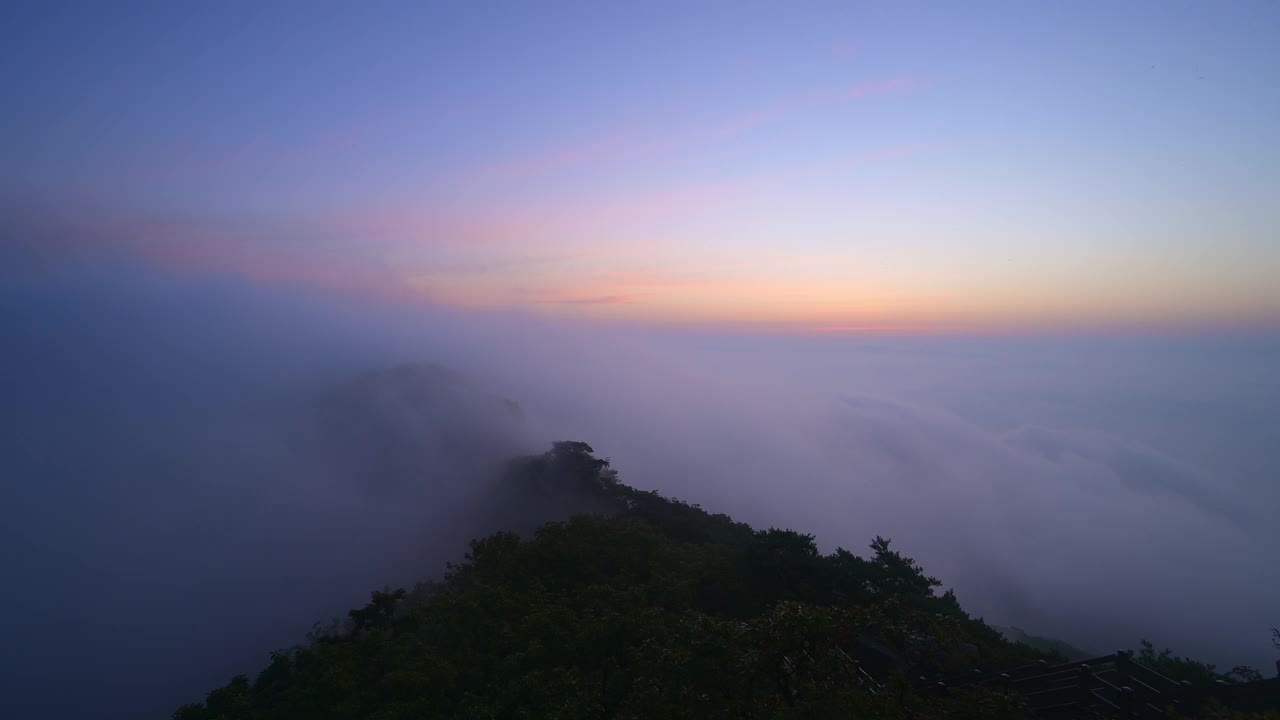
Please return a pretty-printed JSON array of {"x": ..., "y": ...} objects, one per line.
[{"x": 261, "y": 458}]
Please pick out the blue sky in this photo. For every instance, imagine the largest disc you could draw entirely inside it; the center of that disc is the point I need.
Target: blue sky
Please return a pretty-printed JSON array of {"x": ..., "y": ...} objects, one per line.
[{"x": 1002, "y": 165}]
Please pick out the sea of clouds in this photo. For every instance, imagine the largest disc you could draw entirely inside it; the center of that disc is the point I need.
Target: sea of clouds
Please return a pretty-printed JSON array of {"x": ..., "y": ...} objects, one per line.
[{"x": 179, "y": 500}]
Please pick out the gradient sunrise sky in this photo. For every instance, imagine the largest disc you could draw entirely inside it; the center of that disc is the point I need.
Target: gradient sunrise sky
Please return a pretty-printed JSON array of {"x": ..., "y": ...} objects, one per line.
[{"x": 811, "y": 167}]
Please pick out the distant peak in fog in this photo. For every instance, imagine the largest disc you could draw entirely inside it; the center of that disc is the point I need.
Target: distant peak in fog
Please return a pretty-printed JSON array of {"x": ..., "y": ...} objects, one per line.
[{"x": 402, "y": 426}]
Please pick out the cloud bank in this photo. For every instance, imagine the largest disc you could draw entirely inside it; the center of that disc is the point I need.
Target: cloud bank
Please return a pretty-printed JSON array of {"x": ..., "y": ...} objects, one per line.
[{"x": 200, "y": 468}]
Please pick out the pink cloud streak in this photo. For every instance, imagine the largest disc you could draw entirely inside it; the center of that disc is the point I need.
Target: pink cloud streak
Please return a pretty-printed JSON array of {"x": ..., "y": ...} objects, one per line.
[
  {"x": 600, "y": 300},
  {"x": 627, "y": 143}
]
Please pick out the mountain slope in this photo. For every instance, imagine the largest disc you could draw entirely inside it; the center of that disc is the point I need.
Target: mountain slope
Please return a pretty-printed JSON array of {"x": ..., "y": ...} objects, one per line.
[{"x": 638, "y": 607}]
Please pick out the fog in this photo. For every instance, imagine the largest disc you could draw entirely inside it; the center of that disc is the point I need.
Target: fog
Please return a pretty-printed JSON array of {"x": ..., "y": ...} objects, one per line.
[{"x": 197, "y": 469}]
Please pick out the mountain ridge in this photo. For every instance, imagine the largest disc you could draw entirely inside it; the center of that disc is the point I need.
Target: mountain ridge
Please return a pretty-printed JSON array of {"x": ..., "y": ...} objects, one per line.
[{"x": 639, "y": 606}]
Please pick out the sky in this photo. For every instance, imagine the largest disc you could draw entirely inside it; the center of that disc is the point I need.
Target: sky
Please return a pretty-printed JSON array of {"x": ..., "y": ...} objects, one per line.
[
  {"x": 996, "y": 280},
  {"x": 823, "y": 168}
]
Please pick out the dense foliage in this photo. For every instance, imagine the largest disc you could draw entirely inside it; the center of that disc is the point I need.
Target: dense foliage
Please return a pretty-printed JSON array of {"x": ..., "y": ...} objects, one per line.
[{"x": 636, "y": 607}]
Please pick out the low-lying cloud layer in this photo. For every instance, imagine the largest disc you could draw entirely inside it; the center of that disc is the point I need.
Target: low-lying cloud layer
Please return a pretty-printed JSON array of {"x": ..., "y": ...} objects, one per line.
[
  {"x": 199, "y": 469},
  {"x": 1100, "y": 490}
]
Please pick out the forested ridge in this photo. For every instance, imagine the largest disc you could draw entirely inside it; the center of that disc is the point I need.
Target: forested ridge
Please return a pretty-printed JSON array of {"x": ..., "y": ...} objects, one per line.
[{"x": 640, "y": 606}]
